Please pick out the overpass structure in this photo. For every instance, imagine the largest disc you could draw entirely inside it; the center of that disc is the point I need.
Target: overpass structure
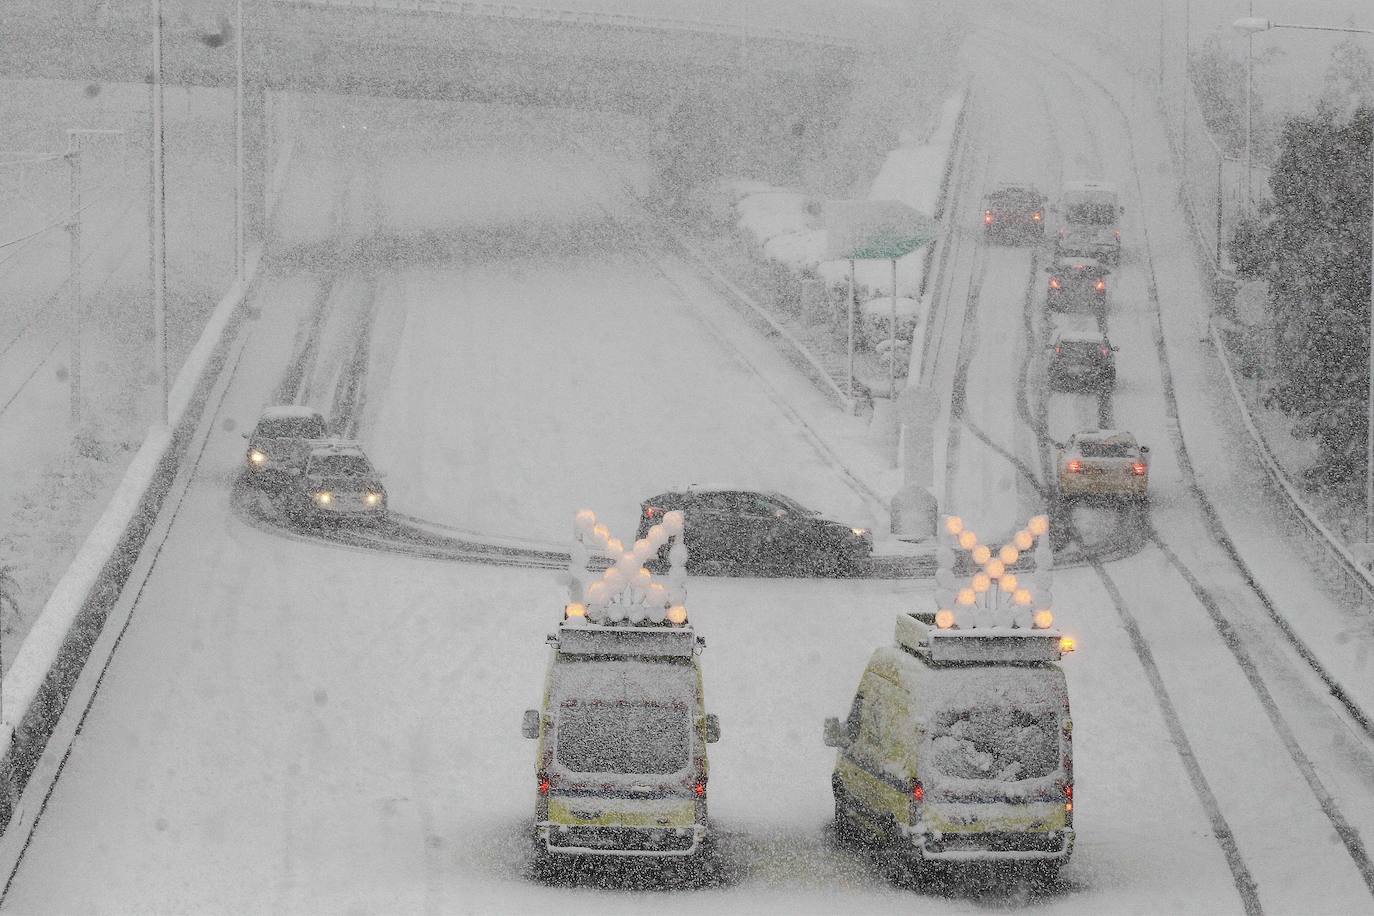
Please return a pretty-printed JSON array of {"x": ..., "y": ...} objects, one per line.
[{"x": 663, "y": 69}]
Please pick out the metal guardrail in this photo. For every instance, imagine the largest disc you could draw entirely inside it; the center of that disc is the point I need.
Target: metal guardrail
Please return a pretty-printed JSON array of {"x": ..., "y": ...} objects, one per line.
[
  {"x": 1357, "y": 581},
  {"x": 587, "y": 17}
]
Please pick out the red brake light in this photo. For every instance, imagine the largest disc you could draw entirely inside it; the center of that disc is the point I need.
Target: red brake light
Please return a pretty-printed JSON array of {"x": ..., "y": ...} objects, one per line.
[
  {"x": 1054, "y": 283},
  {"x": 1058, "y": 350},
  {"x": 1075, "y": 466},
  {"x": 651, "y": 511},
  {"x": 918, "y": 791},
  {"x": 987, "y": 216},
  {"x": 543, "y": 785},
  {"x": 700, "y": 789},
  {"x": 1138, "y": 469},
  {"x": 1036, "y": 216},
  {"x": 1100, "y": 286}
]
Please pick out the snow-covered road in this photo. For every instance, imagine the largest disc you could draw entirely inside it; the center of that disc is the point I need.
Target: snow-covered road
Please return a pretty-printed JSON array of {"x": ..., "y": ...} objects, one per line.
[{"x": 289, "y": 726}]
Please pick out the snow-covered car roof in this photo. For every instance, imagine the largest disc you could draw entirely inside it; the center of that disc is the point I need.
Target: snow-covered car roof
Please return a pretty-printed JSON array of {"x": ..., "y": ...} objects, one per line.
[
  {"x": 1069, "y": 263},
  {"x": 1015, "y": 187},
  {"x": 1080, "y": 337},
  {"x": 1105, "y": 436},
  {"x": 1088, "y": 185},
  {"x": 337, "y": 447},
  {"x": 289, "y": 411}
]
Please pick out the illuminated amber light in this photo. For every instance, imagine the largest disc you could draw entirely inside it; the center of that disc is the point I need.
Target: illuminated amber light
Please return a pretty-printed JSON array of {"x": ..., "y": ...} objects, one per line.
[
  {"x": 1043, "y": 620},
  {"x": 1066, "y": 644},
  {"x": 954, "y": 524},
  {"x": 968, "y": 540},
  {"x": 1008, "y": 554},
  {"x": 1022, "y": 597},
  {"x": 944, "y": 618},
  {"x": 1008, "y": 583},
  {"x": 575, "y": 610},
  {"x": 676, "y": 614},
  {"x": 966, "y": 597},
  {"x": 601, "y": 531},
  {"x": 981, "y": 554},
  {"x": 1023, "y": 539},
  {"x": 980, "y": 582},
  {"x": 1038, "y": 525},
  {"x": 995, "y": 568}
]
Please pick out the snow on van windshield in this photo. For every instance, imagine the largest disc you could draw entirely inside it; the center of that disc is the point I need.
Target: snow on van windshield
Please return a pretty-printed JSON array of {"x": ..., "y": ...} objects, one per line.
[{"x": 1003, "y": 728}]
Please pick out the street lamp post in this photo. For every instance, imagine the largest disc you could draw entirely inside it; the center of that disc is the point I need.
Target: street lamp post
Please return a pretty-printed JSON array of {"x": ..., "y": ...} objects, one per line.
[
  {"x": 159, "y": 227},
  {"x": 1250, "y": 25}
]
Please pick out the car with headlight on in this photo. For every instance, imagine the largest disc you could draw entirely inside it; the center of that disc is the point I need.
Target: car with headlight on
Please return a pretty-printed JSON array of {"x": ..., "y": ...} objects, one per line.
[
  {"x": 1075, "y": 285},
  {"x": 1014, "y": 211},
  {"x": 337, "y": 481},
  {"x": 280, "y": 441},
  {"x": 761, "y": 531},
  {"x": 1082, "y": 361},
  {"x": 1108, "y": 463}
]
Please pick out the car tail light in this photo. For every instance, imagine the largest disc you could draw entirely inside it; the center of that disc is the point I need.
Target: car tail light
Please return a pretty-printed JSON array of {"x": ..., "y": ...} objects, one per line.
[
  {"x": 1117, "y": 233},
  {"x": 1037, "y": 216},
  {"x": 1100, "y": 286},
  {"x": 1138, "y": 469},
  {"x": 652, "y": 511},
  {"x": 1106, "y": 351},
  {"x": 1054, "y": 283},
  {"x": 918, "y": 791},
  {"x": 1058, "y": 350},
  {"x": 543, "y": 784},
  {"x": 1068, "y": 798},
  {"x": 1075, "y": 466},
  {"x": 700, "y": 788},
  {"x": 987, "y": 216}
]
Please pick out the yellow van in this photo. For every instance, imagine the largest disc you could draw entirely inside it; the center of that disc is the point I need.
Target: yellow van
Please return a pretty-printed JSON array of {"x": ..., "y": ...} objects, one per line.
[
  {"x": 621, "y": 766},
  {"x": 958, "y": 748}
]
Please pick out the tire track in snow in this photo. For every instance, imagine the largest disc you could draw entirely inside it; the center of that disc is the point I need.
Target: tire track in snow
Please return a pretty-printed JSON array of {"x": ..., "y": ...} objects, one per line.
[{"x": 1225, "y": 627}]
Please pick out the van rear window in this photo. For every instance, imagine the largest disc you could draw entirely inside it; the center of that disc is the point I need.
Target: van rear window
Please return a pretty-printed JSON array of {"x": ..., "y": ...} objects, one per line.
[
  {"x": 598, "y": 736},
  {"x": 997, "y": 743}
]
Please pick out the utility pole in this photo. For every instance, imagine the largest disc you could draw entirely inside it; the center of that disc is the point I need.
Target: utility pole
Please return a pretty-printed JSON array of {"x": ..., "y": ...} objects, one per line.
[
  {"x": 73, "y": 156},
  {"x": 158, "y": 227}
]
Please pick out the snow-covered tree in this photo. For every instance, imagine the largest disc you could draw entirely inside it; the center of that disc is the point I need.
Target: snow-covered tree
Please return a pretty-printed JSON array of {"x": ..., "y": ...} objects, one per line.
[{"x": 1313, "y": 247}]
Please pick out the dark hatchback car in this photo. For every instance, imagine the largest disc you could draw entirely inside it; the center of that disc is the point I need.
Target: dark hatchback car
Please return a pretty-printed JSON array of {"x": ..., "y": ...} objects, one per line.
[
  {"x": 1077, "y": 284},
  {"x": 338, "y": 483},
  {"x": 280, "y": 442},
  {"x": 763, "y": 532},
  {"x": 1084, "y": 362},
  {"x": 1014, "y": 211}
]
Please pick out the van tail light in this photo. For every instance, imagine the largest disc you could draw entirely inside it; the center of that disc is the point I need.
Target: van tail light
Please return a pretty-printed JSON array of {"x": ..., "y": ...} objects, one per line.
[
  {"x": 1068, "y": 798},
  {"x": 652, "y": 511},
  {"x": 700, "y": 788},
  {"x": 543, "y": 784},
  {"x": 1075, "y": 466},
  {"x": 1037, "y": 216},
  {"x": 1054, "y": 283},
  {"x": 1117, "y": 233},
  {"x": 918, "y": 791},
  {"x": 987, "y": 217},
  {"x": 1100, "y": 286},
  {"x": 1058, "y": 350},
  {"x": 1138, "y": 469}
]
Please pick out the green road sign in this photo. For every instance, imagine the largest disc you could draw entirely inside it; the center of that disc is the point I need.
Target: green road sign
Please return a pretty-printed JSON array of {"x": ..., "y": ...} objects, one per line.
[{"x": 875, "y": 229}]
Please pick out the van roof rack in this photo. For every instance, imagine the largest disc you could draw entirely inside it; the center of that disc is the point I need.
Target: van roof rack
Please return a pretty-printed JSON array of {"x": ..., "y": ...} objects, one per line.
[{"x": 916, "y": 632}]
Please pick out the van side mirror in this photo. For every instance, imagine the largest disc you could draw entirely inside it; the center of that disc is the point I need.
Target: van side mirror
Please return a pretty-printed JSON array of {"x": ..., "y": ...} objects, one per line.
[
  {"x": 529, "y": 726},
  {"x": 1145, "y": 449},
  {"x": 712, "y": 728},
  {"x": 835, "y": 733}
]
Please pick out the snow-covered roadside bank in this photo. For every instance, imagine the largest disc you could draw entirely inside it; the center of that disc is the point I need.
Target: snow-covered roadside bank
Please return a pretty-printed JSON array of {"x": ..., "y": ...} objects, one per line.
[{"x": 58, "y": 640}]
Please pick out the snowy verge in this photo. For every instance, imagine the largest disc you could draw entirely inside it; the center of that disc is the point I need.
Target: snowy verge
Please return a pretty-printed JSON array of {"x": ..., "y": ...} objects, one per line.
[
  {"x": 42, "y": 659},
  {"x": 786, "y": 223},
  {"x": 1344, "y": 561}
]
